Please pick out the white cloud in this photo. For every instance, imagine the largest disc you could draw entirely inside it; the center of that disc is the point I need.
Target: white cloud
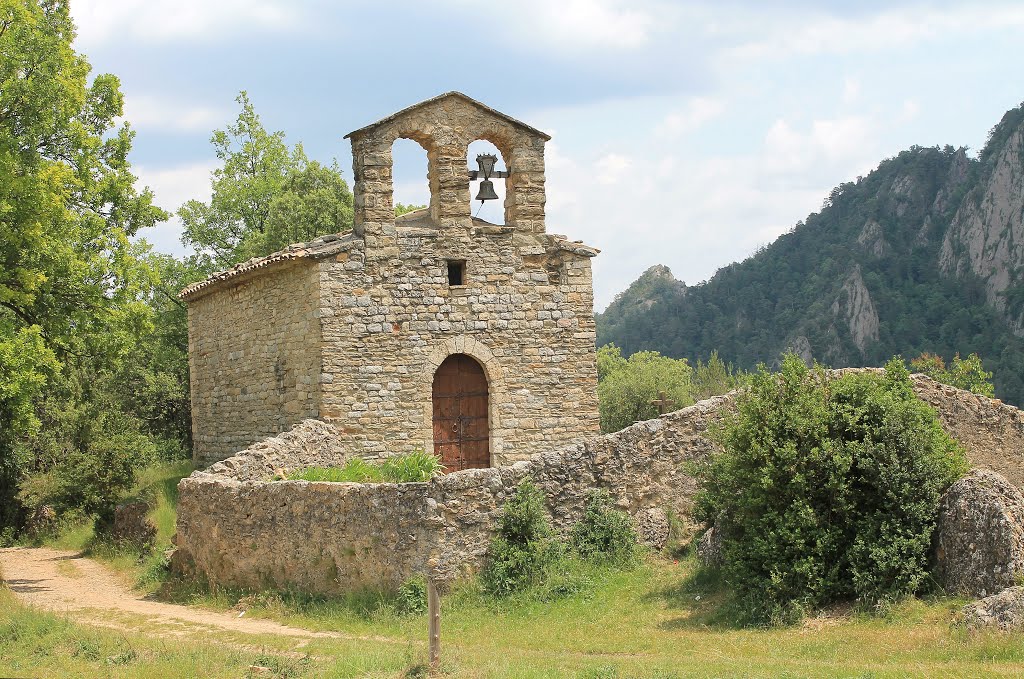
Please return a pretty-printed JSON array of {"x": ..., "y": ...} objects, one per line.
[
  {"x": 612, "y": 168},
  {"x": 851, "y": 90},
  {"x": 154, "y": 112},
  {"x": 172, "y": 187},
  {"x": 909, "y": 111},
  {"x": 777, "y": 35},
  {"x": 698, "y": 110},
  {"x": 101, "y": 21},
  {"x": 571, "y": 25},
  {"x": 830, "y": 141},
  {"x": 606, "y": 23}
]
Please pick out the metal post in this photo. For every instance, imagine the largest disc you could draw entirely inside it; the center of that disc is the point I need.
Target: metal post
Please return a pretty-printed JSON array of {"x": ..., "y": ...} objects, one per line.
[{"x": 434, "y": 624}]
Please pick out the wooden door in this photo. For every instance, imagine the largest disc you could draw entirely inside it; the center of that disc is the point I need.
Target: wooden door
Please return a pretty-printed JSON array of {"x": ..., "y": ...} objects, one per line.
[{"x": 461, "y": 431}]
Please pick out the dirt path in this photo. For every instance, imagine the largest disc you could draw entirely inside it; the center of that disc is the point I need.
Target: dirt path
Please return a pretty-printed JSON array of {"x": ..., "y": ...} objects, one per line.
[{"x": 67, "y": 582}]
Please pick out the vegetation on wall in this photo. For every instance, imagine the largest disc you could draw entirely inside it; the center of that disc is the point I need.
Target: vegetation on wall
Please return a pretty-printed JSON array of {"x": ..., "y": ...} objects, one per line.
[
  {"x": 827, "y": 489},
  {"x": 968, "y": 373},
  {"x": 412, "y": 467},
  {"x": 527, "y": 558}
]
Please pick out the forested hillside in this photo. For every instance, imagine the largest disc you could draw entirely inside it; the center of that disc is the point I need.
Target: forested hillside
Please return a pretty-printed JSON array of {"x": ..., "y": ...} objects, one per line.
[{"x": 923, "y": 254}]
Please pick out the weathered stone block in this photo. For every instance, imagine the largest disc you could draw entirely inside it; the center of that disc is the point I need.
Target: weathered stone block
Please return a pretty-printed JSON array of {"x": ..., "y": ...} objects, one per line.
[{"x": 980, "y": 536}]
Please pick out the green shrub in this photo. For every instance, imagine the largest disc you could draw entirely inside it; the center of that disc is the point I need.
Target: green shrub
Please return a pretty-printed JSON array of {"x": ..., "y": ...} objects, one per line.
[
  {"x": 524, "y": 546},
  {"x": 411, "y": 467},
  {"x": 411, "y": 597},
  {"x": 628, "y": 387},
  {"x": 826, "y": 490},
  {"x": 604, "y": 533}
]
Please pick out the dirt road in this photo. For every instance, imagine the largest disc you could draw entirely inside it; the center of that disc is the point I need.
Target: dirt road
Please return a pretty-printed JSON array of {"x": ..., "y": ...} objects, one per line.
[{"x": 67, "y": 582}]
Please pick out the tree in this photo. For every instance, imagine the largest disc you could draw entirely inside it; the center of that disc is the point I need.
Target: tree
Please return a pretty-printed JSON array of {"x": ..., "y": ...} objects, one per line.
[
  {"x": 403, "y": 209},
  {"x": 72, "y": 285},
  {"x": 264, "y": 197},
  {"x": 628, "y": 387},
  {"x": 67, "y": 203},
  {"x": 314, "y": 201},
  {"x": 967, "y": 373}
]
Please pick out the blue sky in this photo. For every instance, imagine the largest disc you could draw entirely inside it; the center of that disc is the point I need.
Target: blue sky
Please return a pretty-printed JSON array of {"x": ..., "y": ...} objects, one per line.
[{"x": 684, "y": 133}]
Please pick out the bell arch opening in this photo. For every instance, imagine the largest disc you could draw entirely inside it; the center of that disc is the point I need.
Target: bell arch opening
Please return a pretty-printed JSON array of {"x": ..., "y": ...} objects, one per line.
[
  {"x": 493, "y": 210},
  {"x": 461, "y": 402},
  {"x": 410, "y": 176}
]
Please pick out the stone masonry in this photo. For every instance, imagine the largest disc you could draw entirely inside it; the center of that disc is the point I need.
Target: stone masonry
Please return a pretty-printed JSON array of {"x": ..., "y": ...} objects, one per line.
[
  {"x": 236, "y": 527},
  {"x": 350, "y": 329}
]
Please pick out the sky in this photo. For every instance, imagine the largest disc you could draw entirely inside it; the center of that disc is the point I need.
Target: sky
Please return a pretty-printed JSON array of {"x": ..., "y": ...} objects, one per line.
[{"x": 684, "y": 133}]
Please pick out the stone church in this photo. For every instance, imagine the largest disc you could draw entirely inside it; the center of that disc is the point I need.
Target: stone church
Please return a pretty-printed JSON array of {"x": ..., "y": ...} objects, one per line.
[{"x": 435, "y": 330}]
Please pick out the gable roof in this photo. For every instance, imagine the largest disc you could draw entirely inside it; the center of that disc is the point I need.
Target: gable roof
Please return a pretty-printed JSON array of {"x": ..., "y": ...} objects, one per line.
[{"x": 446, "y": 95}]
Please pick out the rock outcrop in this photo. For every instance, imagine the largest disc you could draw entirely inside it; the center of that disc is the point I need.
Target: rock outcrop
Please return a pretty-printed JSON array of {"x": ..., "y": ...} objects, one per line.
[
  {"x": 980, "y": 536},
  {"x": 986, "y": 237},
  {"x": 1003, "y": 611},
  {"x": 854, "y": 306},
  {"x": 652, "y": 527},
  {"x": 132, "y": 526}
]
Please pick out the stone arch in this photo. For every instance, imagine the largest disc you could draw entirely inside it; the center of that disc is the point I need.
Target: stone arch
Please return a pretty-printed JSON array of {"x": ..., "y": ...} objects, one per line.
[
  {"x": 426, "y": 145},
  {"x": 481, "y": 353},
  {"x": 488, "y": 146}
]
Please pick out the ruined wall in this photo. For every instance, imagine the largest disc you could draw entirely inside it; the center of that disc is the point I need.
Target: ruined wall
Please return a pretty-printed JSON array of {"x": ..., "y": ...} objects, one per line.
[
  {"x": 990, "y": 430},
  {"x": 525, "y": 313},
  {"x": 334, "y": 537},
  {"x": 236, "y": 529},
  {"x": 254, "y": 358}
]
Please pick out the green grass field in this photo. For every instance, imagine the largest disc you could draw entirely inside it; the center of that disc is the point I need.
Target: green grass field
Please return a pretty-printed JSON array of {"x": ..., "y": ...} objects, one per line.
[{"x": 656, "y": 621}]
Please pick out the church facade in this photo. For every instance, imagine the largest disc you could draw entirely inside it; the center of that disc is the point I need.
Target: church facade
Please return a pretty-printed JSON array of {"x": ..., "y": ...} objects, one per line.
[{"x": 434, "y": 331}]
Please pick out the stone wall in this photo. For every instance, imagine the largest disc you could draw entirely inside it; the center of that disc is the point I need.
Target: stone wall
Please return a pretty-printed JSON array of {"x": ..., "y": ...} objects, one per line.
[
  {"x": 238, "y": 529},
  {"x": 525, "y": 313},
  {"x": 253, "y": 358},
  {"x": 990, "y": 430},
  {"x": 333, "y": 537}
]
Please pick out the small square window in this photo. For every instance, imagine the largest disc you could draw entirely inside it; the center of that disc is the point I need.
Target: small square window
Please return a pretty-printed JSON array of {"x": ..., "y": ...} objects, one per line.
[{"x": 456, "y": 272}]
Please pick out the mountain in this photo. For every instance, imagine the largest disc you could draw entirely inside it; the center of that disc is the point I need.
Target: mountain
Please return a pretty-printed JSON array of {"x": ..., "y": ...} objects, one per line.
[{"x": 926, "y": 253}]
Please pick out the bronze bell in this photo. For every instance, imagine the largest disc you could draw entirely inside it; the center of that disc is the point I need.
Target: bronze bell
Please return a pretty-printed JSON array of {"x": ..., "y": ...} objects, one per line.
[{"x": 486, "y": 191}]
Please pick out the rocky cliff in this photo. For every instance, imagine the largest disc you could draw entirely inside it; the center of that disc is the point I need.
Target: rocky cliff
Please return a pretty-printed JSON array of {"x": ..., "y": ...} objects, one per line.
[{"x": 926, "y": 253}]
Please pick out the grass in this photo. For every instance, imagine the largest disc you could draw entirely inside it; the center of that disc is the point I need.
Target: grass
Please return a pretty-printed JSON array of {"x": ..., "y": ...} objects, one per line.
[
  {"x": 411, "y": 467},
  {"x": 664, "y": 618}
]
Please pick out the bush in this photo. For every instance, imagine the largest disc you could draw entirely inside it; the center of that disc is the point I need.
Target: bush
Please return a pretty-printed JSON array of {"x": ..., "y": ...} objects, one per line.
[
  {"x": 605, "y": 534},
  {"x": 411, "y": 467},
  {"x": 628, "y": 388},
  {"x": 90, "y": 473},
  {"x": 827, "y": 490},
  {"x": 524, "y": 546},
  {"x": 967, "y": 373},
  {"x": 411, "y": 597}
]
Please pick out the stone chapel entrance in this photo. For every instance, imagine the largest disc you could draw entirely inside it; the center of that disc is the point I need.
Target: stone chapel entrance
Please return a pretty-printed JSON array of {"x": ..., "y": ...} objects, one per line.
[{"x": 461, "y": 428}]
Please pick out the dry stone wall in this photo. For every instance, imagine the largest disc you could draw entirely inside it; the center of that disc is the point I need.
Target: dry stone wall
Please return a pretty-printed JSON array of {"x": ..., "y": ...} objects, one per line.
[
  {"x": 253, "y": 358},
  {"x": 333, "y": 537},
  {"x": 235, "y": 528}
]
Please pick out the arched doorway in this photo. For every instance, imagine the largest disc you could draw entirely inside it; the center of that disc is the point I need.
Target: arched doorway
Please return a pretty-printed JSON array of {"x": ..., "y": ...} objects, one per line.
[{"x": 461, "y": 428}]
